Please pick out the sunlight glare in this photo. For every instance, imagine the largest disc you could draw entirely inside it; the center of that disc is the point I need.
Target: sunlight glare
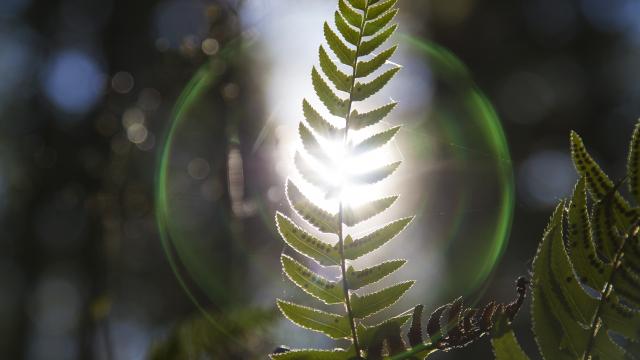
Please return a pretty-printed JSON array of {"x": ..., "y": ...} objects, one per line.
[{"x": 345, "y": 166}]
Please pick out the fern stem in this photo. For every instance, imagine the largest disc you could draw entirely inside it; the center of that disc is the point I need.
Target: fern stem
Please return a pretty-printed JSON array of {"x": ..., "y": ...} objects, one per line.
[
  {"x": 343, "y": 262},
  {"x": 345, "y": 287},
  {"x": 596, "y": 323}
]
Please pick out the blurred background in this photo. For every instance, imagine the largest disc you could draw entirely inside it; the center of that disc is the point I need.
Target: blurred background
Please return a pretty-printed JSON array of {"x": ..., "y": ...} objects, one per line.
[{"x": 144, "y": 147}]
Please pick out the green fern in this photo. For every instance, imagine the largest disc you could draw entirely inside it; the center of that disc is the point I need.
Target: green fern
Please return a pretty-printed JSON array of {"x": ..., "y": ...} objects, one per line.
[
  {"x": 450, "y": 326},
  {"x": 586, "y": 274},
  {"x": 601, "y": 253},
  {"x": 362, "y": 26}
]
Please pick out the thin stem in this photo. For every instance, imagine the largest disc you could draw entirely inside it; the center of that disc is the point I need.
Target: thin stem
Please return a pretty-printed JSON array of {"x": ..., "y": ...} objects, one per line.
[
  {"x": 345, "y": 286},
  {"x": 596, "y": 323},
  {"x": 343, "y": 261}
]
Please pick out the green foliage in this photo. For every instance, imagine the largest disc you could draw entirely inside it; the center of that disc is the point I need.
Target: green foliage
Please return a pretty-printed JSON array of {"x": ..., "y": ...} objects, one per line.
[
  {"x": 375, "y": 141},
  {"x": 376, "y": 175},
  {"x": 449, "y": 327},
  {"x": 369, "y": 304},
  {"x": 586, "y": 273},
  {"x": 362, "y": 120},
  {"x": 368, "y": 276},
  {"x": 372, "y": 241},
  {"x": 353, "y": 215},
  {"x": 504, "y": 342},
  {"x": 357, "y": 34},
  {"x": 329, "y": 292},
  {"x": 362, "y": 27},
  {"x": 309, "y": 211},
  {"x": 306, "y": 244},
  {"x": 333, "y": 325},
  {"x": 214, "y": 336}
]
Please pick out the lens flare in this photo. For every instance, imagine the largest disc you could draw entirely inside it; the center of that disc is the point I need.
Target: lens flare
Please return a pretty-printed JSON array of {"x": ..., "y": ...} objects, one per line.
[
  {"x": 192, "y": 215},
  {"x": 473, "y": 195},
  {"x": 456, "y": 174},
  {"x": 343, "y": 169}
]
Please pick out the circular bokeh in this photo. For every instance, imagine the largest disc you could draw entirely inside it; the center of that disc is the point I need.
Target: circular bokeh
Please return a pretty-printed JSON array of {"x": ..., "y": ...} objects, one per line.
[
  {"x": 469, "y": 188},
  {"x": 457, "y": 179}
]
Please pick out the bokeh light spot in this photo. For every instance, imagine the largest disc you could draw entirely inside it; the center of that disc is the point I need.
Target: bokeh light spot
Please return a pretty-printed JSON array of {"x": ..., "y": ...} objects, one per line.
[
  {"x": 545, "y": 177},
  {"x": 137, "y": 133},
  {"x": 73, "y": 81},
  {"x": 122, "y": 82},
  {"x": 198, "y": 168},
  {"x": 132, "y": 116},
  {"x": 210, "y": 46},
  {"x": 230, "y": 91}
]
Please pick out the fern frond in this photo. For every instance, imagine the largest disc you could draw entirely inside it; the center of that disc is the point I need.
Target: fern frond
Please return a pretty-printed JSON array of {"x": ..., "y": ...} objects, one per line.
[
  {"x": 339, "y": 79},
  {"x": 375, "y": 175},
  {"x": 313, "y": 284},
  {"x": 605, "y": 232},
  {"x": 354, "y": 215},
  {"x": 311, "y": 144},
  {"x": 358, "y": 4},
  {"x": 375, "y": 239},
  {"x": 318, "y": 123},
  {"x": 347, "y": 31},
  {"x": 309, "y": 211},
  {"x": 336, "y": 105},
  {"x": 600, "y": 253},
  {"x": 375, "y": 141},
  {"x": 368, "y": 276},
  {"x": 450, "y": 326},
  {"x": 305, "y": 243},
  {"x": 351, "y": 15},
  {"x": 598, "y": 182},
  {"x": 363, "y": 120},
  {"x": 504, "y": 343},
  {"x": 368, "y": 46},
  {"x": 364, "y": 90},
  {"x": 549, "y": 306},
  {"x": 373, "y": 26},
  {"x": 369, "y": 304},
  {"x": 582, "y": 252},
  {"x": 361, "y": 27},
  {"x": 366, "y": 68},
  {"x": 377, "y": 9},
  {"x": 367, "y": 332},
  {"x": 312, "y": 175},
  {"x": 333, "y": 325},
  {"x": 345, "y": 54}
]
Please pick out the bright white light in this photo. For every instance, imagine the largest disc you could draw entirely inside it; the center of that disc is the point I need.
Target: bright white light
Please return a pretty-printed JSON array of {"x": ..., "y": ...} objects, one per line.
[
  {"x": 289, "y": 75},
  {"x": 345, "y": 166}
]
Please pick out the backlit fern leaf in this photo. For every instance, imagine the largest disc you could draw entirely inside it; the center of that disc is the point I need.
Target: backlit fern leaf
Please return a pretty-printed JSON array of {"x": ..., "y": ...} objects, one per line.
[
  {"x": 357, "y": 33},
  {"x": 362, "y": 26},
  {"x": 590, "y": 246}
]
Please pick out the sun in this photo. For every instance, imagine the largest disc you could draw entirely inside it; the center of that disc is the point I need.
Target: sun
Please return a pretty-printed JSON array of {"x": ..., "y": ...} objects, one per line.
[{"x": 345, "y": 168}]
